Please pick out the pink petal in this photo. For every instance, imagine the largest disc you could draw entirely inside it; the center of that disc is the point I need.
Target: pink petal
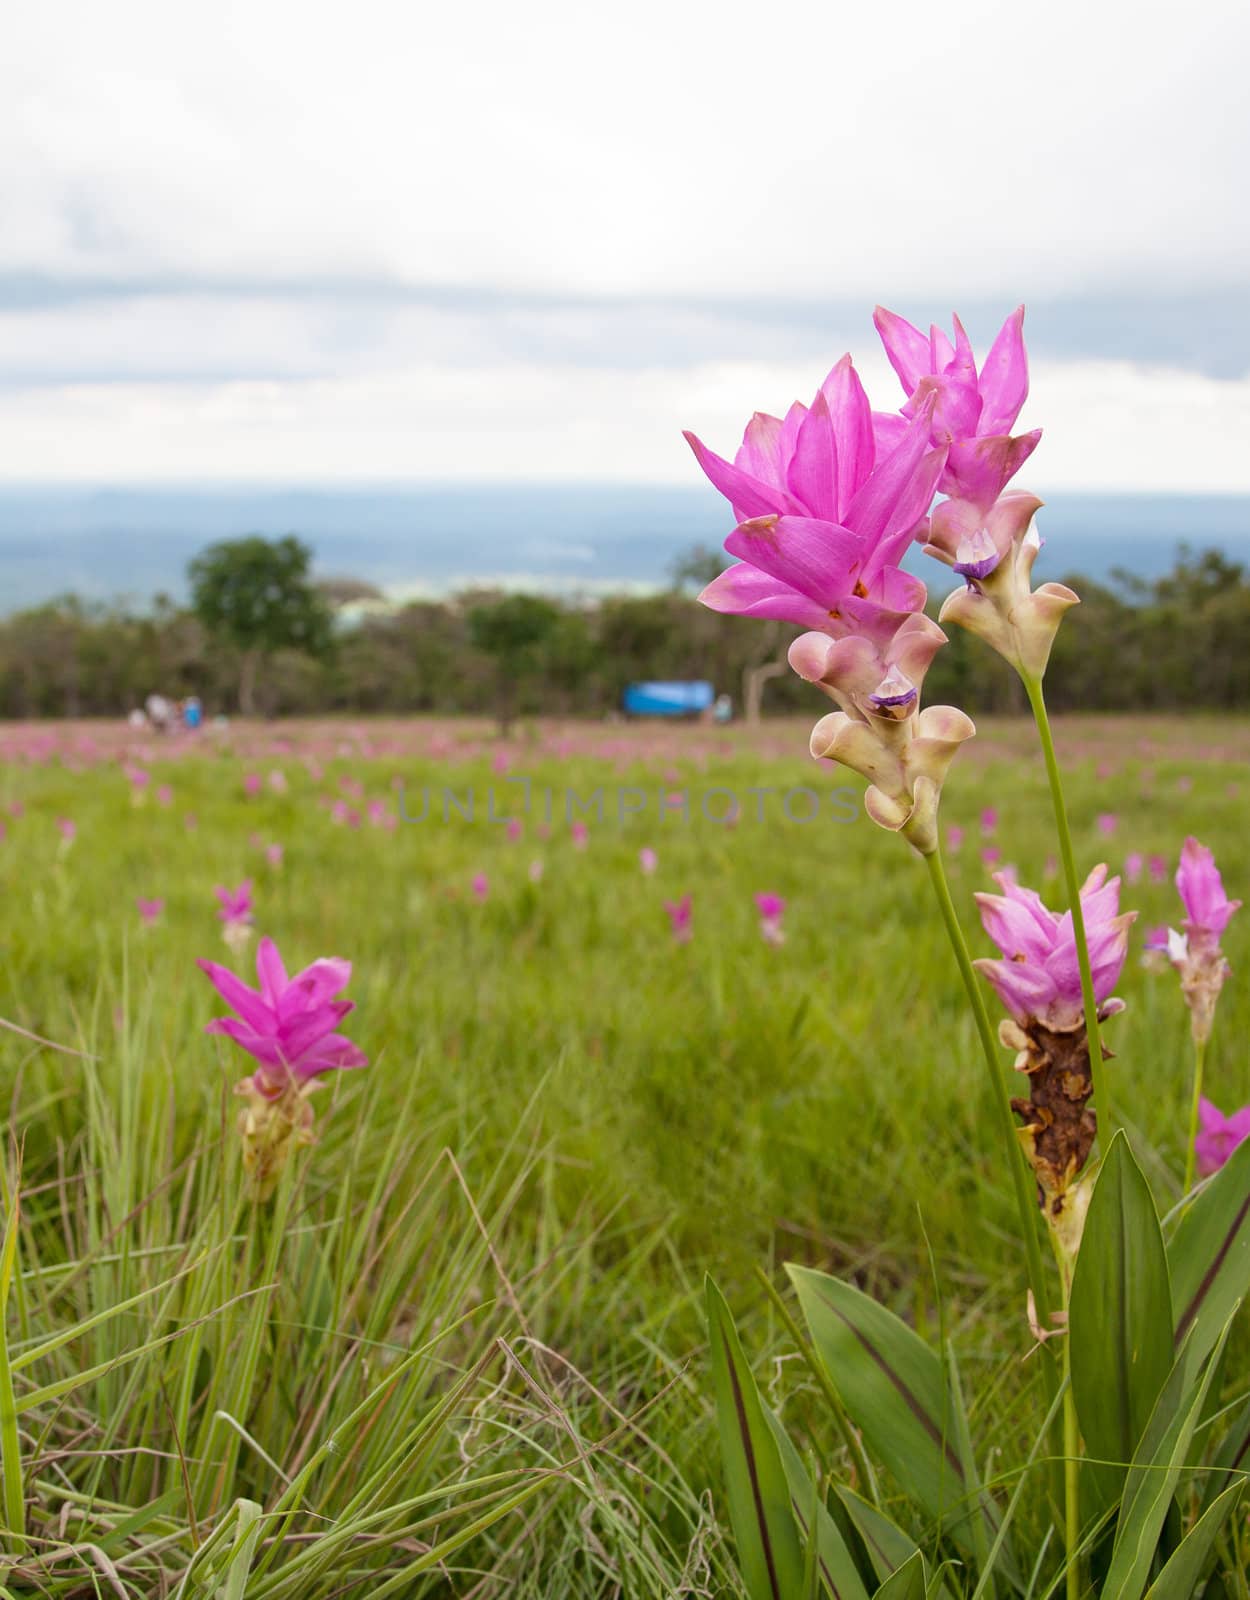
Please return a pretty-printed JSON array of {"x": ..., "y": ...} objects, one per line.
[
  {"x": 820, "y": 559},
  {"x": 745, "y": 591},
  {"x": 1004, "y": 377},
  {"x": 906, "y": 347},
  {"x": 246, "y": 1002},
  {"x": 748, "y": 495}
]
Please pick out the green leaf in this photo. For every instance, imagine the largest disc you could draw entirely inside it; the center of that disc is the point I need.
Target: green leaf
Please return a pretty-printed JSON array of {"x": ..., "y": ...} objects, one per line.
[
  {"x": 895, "y": 1390},
  {"x": 1209, "y": 1254},
  {"x": 836, "y": 1564},
  {"x": 769, "y": 1552},
  {"x": 1232, "y": 1459},
  {"x": 1120, "y": 1318},
  {"x": 1179, "y": 1578},
  {"x": 908, "y": 1583},
  {"x": 1155, "y": 1472}
]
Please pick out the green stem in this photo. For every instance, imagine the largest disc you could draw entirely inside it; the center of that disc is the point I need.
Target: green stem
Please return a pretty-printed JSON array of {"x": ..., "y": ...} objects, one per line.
[
  {"x": 1101, "y": 1095},
  {"x": 1020, "y": 1177},
  {"x": 1071, "y": 1450},
  {"x": 1200, "y": 1056}
]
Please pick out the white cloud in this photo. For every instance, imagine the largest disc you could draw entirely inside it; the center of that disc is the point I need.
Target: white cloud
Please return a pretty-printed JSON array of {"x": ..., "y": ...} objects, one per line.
[{"x": 1109, "y": 425}]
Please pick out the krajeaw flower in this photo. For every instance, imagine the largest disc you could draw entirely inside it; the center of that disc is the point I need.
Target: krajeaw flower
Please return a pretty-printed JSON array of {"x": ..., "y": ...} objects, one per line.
[
  {"x": 289, "y": 1026},
  {"x": 993, "y": 551},
  {"x": 1039, "y": 982},
  {"x": 1196, "y": 952},
  {"x": 771, "y": 908},
  {"x": 974, "y": 411},
  {"x": 823, "y": 516},
  {"x": 1218, "y": 1135}
]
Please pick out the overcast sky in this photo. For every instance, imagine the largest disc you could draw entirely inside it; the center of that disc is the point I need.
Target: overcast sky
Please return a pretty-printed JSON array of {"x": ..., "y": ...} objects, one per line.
[{"x": 400, "y": 240}]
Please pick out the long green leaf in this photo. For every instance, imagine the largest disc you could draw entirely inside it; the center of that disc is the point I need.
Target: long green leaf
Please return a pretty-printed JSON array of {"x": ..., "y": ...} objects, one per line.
[
  {"x": 1232, "y": 1459},
  {"x": 1209, "y": 1255},
  {"x": 894, "y": 1388},
  {"x": 908, "y": 1583},
  {"x": 835, "y": 1563},
  {"x": 1179, "y": 1578},
  {"x": 1120, "y": 1320},
  {"x": 1156, "y": 1470},
  {"x": 769, "y": 1551}
]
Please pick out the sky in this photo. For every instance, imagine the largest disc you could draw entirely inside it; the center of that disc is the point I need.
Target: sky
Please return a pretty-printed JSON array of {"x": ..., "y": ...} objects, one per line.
[{"x": 283, "y": 242}]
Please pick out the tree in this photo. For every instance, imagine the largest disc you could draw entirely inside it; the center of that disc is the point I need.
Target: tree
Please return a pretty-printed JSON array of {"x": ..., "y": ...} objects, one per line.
[
  {"x": 256, "y": 595},
  {"x": 513, "y": 630}
]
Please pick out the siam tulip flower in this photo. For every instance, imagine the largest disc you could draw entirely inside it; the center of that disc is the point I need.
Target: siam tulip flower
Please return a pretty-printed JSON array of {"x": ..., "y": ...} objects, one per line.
[
  {"x": 1133, "y": 864},
  {"x": 536, "y": 871},
  {"x": 480, "y": 886},
  {"x": 1107, "y": 823},
  {"x": 991, "y": 855},
  {"x": 1196, "y": 952},
  {"x": 771, "y": 908},
  {"x": 1219, "y": 1136},
  {"x": 252, "y": 783},
  {"x": 823, "y": 517},
  {"x": 581, "y": 835},
  {"x": 679, "y": 916},
  {"x": 290, "y": 1029},
  {"x": 1158, "y": 869},
  {"x": 236, "y": 912},
  {"x": 273, "y": 855},
  {"x": 993, "y": 551},
  {"x": 278, "y": 783},
  {"x": 989, "y": 821},
  {"x": 165, "y": 796},
  {"x": 1038, "y": 981},
  {"x": 150, "y": 911},
  {"x": 974, "y": 411},
  {"x": 514, "y": 830},
  {"x": 954, "y": 839},
  {"x": 68, "y": 830},
  {"x": 648, "y": 860}
]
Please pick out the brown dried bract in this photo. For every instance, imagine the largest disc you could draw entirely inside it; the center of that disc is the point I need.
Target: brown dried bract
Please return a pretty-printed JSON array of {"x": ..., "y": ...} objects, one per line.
[{"x": 1059, "y": 1124}]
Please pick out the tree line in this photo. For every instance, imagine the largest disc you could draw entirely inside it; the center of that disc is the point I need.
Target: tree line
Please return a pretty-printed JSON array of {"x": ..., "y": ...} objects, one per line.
[{"x": 260, "y": 634}]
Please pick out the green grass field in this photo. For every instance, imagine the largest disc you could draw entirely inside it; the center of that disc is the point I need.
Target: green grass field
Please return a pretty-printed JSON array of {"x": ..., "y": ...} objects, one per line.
[{"x": 461, "y": 1351}]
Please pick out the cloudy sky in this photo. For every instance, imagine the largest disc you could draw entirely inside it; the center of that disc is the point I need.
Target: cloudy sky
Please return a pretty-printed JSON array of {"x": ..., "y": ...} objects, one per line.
[{"x": 395, "y": 240}]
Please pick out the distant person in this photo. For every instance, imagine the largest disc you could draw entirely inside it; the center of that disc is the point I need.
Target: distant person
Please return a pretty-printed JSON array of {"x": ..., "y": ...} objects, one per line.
[
  {"x": 723, "y": 709},
  {"x": 137, "y": 718},
  {"x": 160, "y": 712},
  {"x": 192, "y": 713}
]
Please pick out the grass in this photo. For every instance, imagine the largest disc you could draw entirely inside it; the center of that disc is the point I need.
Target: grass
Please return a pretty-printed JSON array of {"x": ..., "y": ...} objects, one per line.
[{"x": 460, "y": 1351}]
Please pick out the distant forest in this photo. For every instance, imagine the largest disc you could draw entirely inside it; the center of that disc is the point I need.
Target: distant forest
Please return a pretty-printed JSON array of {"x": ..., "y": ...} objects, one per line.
[{"x": 1179, "y": 642}]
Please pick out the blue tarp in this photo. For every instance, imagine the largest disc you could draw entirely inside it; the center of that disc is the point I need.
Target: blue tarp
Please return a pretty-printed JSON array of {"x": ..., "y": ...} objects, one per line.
[{"x": 668, "y": 699}]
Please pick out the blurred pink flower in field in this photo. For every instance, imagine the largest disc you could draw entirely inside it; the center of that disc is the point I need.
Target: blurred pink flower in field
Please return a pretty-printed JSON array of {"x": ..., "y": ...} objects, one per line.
[
  {"x": 975, "y": 411},
  {"x": 991, "y": 855},
  {"x": 273, "y": 855},
  {"x": 1158, "y": 868},
  {"x": 1196, "y": 953},
  {"x": 679, "y": 915},
  {"x": 771, "y": 908},
  {"x": 1104, "y": 771},
  {"x": 68, "y": 829},
  {"x": 1050, "y": 869},
  {"x": 1107, "y": 823},
  {"x": 251, "y": 783},
  {"x": 514, "y": 830},
  {"x": 289, "y": 1026},
  {"x": 1184, "y": 785},
  {"x": 236, "y": 913},
  {"x": 1133, "y": 865},
  {"x": 500, "y": 763},
  {"x": 380, "y": 815},
  {"x": 165, "y": 796},
  {"x": 1201, "y": 888},
  {"x": 581, "y": 835},
  {"x": 535, "y": 871},
  {"x": 16, "y": 808},
  {"x": 989, "y": 821},
  {"x": 1038, "y": 977},
  {"x": 278, "y": 781},
  {"x": 480, "y": 885},
  {"x": 149, "y": 910},
  {"x": 954, "y": 838},
  {"x": 648, "y": 860},
  {"x": 1219, "y": 1135}
]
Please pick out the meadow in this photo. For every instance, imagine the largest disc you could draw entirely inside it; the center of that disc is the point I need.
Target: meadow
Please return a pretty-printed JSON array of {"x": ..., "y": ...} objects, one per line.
[{"x": 461, "y": 1350}]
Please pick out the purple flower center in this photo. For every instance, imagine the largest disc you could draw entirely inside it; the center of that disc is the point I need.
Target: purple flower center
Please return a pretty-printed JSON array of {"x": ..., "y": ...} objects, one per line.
[
  {"x": 894, "y": 694},
  {"x": 976, "y": 556}
]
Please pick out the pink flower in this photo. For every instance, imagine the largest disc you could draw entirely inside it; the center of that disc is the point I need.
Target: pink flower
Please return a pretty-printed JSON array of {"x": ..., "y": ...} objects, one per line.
[
  {"x": 68, "y": 829},
  {"x": 235, "y": 904},
  {"x": 1038, "y": 976},
  {"x": 1200, "y": 886},
  {"x": 1158, "y": 868},
  {"x": 823, "y": 516},
  {"x": 149, "y": 910},
  {"x": 165, "y": 796},
  {"x": 954, "y": 838},
  {"x": 679, "y": 915},
  {"x": 139, "y": 779},
  {"x": 289, "y": 1025},
  {"x": 991, "y": 855},
  {"x": 514, "y": 830},
  {"x": 536, "y": 871},
  {"x": 252, "y": 783},
  {"x": 480, "y": 885},
  {"x": 974, "y": 412},
  {"x": 771, "y": 908},
  {"x": 1133, "y": 864},
  {"x": 648, "y": 860},
  {"x": 989, "y": 821},
  {"x": 1219, "y": 1136},
  {"x": 273, "y": 855},
  {"x": 581, "y": 835},
  {"x": 1107, "y": 823}
]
